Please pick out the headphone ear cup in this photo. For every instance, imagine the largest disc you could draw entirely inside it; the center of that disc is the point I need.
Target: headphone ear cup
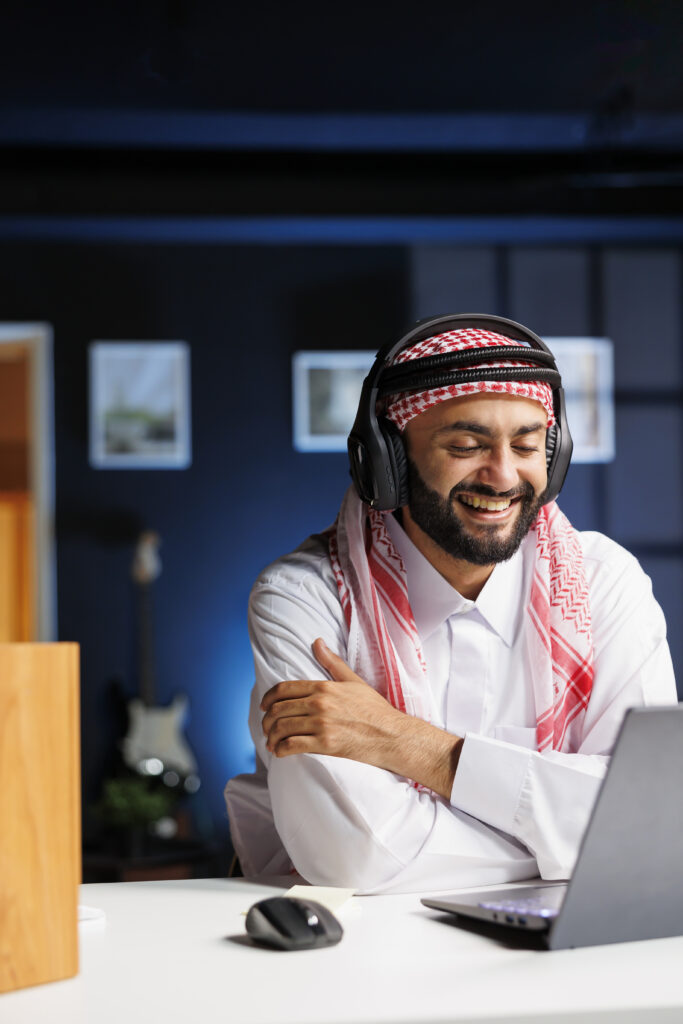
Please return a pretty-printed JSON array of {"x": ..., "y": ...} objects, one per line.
[
  {"x": 555, "y": 450},
  {"x": 398, "y": 459},
  {"x": 550, "y": 444}
]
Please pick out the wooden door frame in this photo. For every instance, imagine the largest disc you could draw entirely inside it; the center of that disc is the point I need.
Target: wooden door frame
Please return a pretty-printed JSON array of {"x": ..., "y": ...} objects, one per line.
[{"x": 36, "y": 338}]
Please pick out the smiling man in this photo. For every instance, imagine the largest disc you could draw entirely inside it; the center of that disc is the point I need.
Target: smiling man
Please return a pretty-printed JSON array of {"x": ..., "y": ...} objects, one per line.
[{"x": 440, "y": 677}]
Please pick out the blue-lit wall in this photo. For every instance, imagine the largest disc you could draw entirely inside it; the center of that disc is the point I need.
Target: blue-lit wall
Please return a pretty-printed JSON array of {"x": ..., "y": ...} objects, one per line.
[{"x": 248, "y": 497}]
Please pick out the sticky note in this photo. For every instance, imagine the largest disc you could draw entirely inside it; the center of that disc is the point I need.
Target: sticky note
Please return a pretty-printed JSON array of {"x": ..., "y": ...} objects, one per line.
[{"x": 330, "y": 896}]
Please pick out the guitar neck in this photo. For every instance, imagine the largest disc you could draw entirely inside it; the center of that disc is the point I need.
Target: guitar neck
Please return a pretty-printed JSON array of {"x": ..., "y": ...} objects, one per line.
[{"x": 146, "y": 666}]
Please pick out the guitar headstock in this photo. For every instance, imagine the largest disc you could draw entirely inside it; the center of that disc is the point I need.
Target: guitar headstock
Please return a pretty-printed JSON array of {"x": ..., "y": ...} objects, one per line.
[{"x": 146, "y": 566}]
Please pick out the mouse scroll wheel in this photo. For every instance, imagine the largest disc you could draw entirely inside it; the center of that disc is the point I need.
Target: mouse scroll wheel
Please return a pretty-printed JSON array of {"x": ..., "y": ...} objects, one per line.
[{"x": 313, "y": 921}]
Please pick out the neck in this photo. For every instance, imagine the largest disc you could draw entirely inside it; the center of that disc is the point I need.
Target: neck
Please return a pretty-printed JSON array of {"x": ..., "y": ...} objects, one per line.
[{"x": 465, "y": 577}]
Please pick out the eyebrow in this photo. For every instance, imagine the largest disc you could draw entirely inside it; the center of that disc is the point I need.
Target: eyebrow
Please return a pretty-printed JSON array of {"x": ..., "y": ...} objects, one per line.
[{"x": 472, "y": 427}]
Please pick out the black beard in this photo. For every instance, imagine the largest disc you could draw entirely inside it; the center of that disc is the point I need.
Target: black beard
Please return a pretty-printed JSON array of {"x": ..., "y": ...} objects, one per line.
[{"x": 436, "y": 516}]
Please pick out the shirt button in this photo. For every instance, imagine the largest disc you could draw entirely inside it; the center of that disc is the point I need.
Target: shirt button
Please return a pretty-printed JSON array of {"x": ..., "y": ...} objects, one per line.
[{"x": 467, "y": 606}]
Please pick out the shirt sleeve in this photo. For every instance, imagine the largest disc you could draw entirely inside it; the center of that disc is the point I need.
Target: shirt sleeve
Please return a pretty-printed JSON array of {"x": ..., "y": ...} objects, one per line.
[
  {"x": 347, "y": 823},
  {"x": 545, "y": 800}
]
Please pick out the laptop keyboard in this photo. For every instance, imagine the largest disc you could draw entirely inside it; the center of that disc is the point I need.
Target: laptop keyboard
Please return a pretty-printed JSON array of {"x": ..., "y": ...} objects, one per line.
[{"x": 534, "y": 905}]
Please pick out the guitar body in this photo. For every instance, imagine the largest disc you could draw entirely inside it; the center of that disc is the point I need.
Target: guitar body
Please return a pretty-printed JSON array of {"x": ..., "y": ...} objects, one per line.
[{"x": 154, "y": 742}]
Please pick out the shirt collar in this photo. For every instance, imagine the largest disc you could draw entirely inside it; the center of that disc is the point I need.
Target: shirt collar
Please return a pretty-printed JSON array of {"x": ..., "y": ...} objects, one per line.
[{"x": 433, "y": 600}]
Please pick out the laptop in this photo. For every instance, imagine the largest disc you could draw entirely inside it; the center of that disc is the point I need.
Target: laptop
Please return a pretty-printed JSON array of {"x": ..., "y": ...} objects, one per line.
[{"x": 627, "y": 883}]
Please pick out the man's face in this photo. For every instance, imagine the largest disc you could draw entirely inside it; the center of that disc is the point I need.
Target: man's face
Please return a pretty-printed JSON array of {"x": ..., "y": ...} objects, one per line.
[{"x": 477, "y": 474}]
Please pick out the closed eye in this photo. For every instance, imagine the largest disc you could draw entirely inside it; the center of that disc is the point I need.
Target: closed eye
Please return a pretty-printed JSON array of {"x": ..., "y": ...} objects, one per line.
[{"x": 467, "y": 449}]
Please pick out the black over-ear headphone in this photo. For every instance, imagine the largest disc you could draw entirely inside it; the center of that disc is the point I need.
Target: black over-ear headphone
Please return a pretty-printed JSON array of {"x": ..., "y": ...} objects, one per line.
[{"x": 376, "y": 449}]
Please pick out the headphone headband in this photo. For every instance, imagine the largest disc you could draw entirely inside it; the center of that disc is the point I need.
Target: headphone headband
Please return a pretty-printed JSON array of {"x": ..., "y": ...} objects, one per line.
[
  {"x": 376, "y": 449},
  {"x": 395, "y": 373},
  {"x": 419, "y": 382},
  {"x": 416, "y": 373},
  {"x": 424, "y": 329}
]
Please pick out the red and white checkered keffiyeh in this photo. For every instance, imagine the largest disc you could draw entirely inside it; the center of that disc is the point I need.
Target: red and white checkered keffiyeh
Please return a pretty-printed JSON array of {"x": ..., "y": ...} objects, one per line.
[
  {"x": 384, "y": 646},
  {"x": 403, "y": 407}
]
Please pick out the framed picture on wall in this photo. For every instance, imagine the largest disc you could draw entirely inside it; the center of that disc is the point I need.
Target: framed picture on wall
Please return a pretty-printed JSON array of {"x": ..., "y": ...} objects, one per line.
[
  {"x": 326, "y": 387},
  {"x": 140, "y": 405},
  {"x": 587, "y": 369}
]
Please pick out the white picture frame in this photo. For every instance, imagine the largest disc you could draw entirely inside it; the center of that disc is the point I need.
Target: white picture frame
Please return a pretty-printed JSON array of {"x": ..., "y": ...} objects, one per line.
[
  {"x": 140, "y": 405},
  {"x": 586, "y": 366},
  {"x": 326, "y": 387},
  {"x": 325, "y": 391}
]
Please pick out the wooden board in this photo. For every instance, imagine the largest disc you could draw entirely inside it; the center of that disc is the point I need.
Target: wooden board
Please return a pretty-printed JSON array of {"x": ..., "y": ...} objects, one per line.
[
  {"x": 17, "y": 613},
  {"x": 40, "y": 854}
]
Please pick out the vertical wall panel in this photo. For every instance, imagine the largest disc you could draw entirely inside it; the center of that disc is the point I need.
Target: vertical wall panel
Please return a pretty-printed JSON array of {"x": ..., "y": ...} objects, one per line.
[
  {"x": 642, "y": 310},
  {"x": 549, "y": 289},
  {"x": 453, "y": 279},
  {"x": 644, "y": 483},
  {"x": 580, "y": 497}
]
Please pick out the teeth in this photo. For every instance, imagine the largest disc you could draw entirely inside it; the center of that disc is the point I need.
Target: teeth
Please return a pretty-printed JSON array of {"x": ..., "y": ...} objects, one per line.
[{"x": 488, "y": 504}]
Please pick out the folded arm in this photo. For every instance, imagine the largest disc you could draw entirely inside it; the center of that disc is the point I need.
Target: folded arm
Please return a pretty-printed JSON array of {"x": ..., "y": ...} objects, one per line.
[
  {"x": 344, "y": 717},
  {"x": 344, "y": 821}
]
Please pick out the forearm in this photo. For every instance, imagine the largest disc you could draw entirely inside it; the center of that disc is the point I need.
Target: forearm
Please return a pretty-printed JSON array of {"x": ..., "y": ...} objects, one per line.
[
  {"x": 421, "y": 752},
  {"x": 345, "y": 717}
]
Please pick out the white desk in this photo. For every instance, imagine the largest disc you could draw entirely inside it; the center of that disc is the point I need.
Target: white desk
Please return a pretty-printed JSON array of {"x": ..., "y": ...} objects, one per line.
[{"x": 176, "y": 953}]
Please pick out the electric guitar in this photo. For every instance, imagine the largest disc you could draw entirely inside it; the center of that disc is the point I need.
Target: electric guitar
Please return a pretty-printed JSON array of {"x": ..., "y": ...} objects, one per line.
[{"x": 154, "y": 744}]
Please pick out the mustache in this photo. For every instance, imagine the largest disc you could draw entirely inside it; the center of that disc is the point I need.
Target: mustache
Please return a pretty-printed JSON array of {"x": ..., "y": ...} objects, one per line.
[{"x": 526, "y": 491}]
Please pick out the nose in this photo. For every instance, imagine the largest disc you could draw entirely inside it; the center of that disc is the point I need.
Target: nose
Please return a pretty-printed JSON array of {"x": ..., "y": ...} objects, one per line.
[{"x": 499, "y": 470}]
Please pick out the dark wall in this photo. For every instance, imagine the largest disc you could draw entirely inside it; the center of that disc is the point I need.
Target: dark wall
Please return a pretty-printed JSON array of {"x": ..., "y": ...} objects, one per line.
[{"x": 247, "y": 497}]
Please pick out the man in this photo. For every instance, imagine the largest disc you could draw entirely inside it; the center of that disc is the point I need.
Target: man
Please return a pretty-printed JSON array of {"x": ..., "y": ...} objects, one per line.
[{"x": 438, "y": 689}]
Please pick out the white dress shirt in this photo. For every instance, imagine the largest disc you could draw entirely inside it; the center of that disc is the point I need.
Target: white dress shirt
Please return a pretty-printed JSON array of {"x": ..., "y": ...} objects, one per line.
[{"x": 513, "y": 813}]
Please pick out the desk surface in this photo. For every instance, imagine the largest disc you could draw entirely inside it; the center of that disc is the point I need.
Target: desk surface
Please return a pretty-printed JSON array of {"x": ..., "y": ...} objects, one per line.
[{"x": 173, "y": 952}]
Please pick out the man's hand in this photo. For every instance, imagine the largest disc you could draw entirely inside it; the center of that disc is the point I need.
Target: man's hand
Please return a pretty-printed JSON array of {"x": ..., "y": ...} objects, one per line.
[
  {"x": 345, "y": 717},
  {"x": 342, "y": 716}
]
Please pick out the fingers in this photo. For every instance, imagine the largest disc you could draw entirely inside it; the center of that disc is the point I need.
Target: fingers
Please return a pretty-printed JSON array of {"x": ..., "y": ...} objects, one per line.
[
  {"x": 283, "y": 730},
  {"x": 286, "y": 709},
  {"x": 298, "y": 715},
  {"x": 293, "y": 688},
  {"x": 288, "y": 690},
  {"x": 298, "y": 745},
  {"x": 332, "y": 663},
  {"x": 293, "y": 706}
]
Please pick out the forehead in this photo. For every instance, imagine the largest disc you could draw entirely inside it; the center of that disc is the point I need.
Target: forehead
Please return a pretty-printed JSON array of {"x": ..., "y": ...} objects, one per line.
[{"x": 500, "y": 414}]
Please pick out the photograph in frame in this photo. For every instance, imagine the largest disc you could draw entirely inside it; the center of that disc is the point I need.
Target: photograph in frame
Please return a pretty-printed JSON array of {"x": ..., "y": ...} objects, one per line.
[
  {"x": 140, "y": 405},
  {"x": 326, "y": 387},
  {"x": 587, "y": 369}
]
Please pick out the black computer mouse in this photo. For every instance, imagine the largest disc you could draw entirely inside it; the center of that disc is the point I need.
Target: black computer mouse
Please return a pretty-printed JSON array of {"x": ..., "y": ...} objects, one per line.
[{"x": 288, "y": 923}]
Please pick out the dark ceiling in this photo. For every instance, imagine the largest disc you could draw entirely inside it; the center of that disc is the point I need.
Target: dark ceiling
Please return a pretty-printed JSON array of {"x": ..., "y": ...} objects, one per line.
[
  {"x": 434, "y": 56},
  {"x": 614, "y": 63}
]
